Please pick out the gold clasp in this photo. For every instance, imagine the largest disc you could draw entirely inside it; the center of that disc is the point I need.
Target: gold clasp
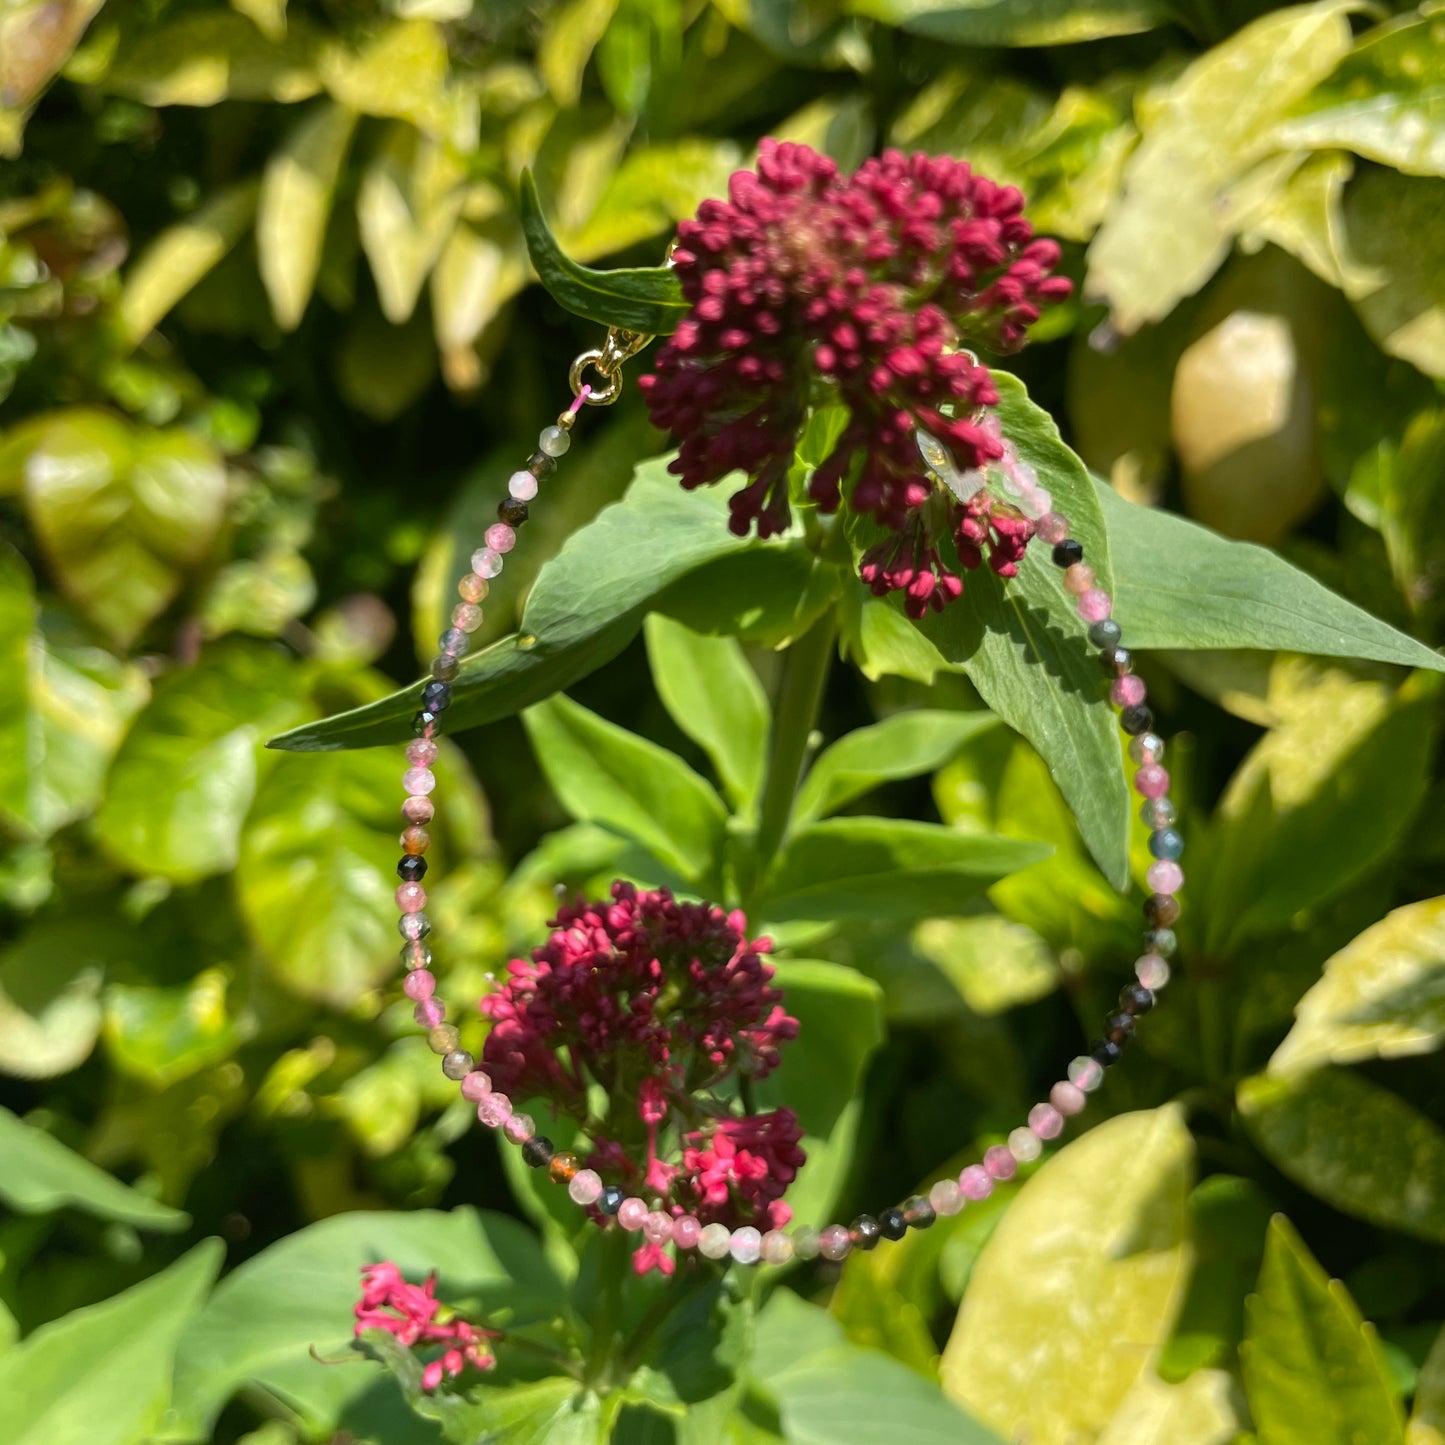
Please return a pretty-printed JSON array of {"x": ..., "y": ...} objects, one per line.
[{"x": 607, "y": 361}]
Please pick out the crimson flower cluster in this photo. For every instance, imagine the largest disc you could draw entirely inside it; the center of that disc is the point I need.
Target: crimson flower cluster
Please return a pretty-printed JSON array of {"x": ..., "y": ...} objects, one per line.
[
  {"x": 664, "y": 1004},
  {"x": 411, "y": 1313},
  {"x": 874, "y": 284}
]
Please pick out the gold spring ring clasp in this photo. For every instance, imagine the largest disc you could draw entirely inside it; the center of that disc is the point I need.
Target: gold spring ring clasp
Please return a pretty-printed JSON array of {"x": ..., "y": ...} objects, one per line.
[{"x": 606, "y": 361}]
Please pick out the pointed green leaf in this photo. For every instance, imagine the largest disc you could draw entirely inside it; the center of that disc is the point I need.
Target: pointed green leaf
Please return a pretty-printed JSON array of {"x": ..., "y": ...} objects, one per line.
[
  {"x": 38, "y": 1175},
  {"x": 102, "y": 1375},
  {"x": 647, "y": 299},
  {"x": 1006, "y": 22},
  {"x": 1312, "y": 1367},
  {"x": 1116, "y": 1272},
  {"x": 715, "y": 697},
  {"x": 604, "y": 774}
]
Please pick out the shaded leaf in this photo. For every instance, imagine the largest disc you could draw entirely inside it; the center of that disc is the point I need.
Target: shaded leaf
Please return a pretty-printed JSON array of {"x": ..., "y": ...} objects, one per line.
[
  {"x": 1117, "y": 1272},
  {"x": 1312, "y": 1367},
  {"x": 1427, "y": 1415},
  {"x": 50, "y": 982}
]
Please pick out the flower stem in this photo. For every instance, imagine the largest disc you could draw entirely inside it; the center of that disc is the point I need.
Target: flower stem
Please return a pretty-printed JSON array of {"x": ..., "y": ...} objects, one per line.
[{"x": 805, "y": 672}]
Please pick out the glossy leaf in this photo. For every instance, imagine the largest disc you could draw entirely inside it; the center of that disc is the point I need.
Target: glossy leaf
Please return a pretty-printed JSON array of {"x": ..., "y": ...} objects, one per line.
[
  {"x": 1382, "y": 996},
  {"x": 102, "y": 1375},
  {"x": 645, "y": 299},
  {"x": 1312, "y": 1367},
  {"x": 885, "y": 867},
  {"x": 1007, "y": 22},
  {"x": 604, "y": 774},
  {"x": 184, "y": 778},
  {"x": 715, "y": 697},
  {"x": 294, "y": 206},
  {"x": 260, "y": 1324},
  {"x": 1117, "y": 1273},
  {"x": 39, "y": 1175},
  {"x": 1354, "y": 1144},
  {"x": 1206, "y": 160},
  {"x": 902, "y": 746}
]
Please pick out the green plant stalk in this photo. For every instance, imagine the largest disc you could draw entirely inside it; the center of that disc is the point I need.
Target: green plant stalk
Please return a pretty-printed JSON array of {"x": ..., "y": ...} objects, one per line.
[
  {"x": 607, "y": 1340},
  {"x": 805, "y": 673}
]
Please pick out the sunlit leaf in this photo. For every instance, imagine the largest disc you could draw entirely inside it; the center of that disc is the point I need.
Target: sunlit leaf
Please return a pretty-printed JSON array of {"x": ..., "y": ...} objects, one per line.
[
  {"x": 1007, "y": 22},
  {"x": 1199, "y": 1411}
]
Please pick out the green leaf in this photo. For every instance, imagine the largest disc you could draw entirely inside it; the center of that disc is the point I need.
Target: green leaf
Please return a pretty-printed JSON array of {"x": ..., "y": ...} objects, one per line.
[
  {"x": 604, "y": 774},
  {"x": 310, "y": 874},
  {"x": 185, "y": 776},
  {"x": 1381, "y": 996},
  {"x": 1355, "y": 1145},
  {"x": 646, "y": 299},
  {"x": 295, "y": 205},
  {"x": 1386, "y": 101},
  {"x": 39, "y": 1175},
  {"x": 1427, "y": 1415},
  {"x": 400, "y": 75},
  {"x": 122, "y": 513},
  {"x": 1312, "y": 1367},
  {"x": 1009, "y": 22},
  {"x": 102, "y": 1375},
  {"x": 1178, "y": 585},
  {"x": 50, "y": 982},
  {"x": 840, "y": 1025},
  {"x": 567, "y": 43},
  {"x": 902, "y": 746},
  {"x": 885, "y": 867},
  {"x": 64, "y": 707},
  {"x": 881, "y": 642},
  {"x": 994, "y": 964},
  {"x": 175, "y": 262},
  {"x": 260, "y": 1324},
  {"x": 1117, "y": 1273},
  {"x": 1200, "y": 1411},
  {"x": 162, "y": 1035},
  {"x": 1207, "y": 159},
  {"x": 715, "y": 697},
  {"x": 1023, "y": 647},
  {"x": 586, "y": 606}
]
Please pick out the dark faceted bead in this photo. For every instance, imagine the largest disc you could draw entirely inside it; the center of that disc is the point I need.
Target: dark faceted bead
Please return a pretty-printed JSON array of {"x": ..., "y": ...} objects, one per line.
[
  {"x": 421, "y": 722},
  {"x": 1119, "y": 1028},
  {"x": 537, "y": 1151},
  {"x": 541, "y": 465},
  {"x": 1067, "y": 552},
  {"x": 1105, "y": 633},
  {"x": 513, "y": 511},
  {"x": 918, "y": 1212},
  {"x": 865, "y": 1232},
  {"x": 437, "y": 696},
  {"x": 1161, "y": 941},
  {"x": 412, "y": 868},
  {"x": 610, "y": 1200},
  {"x": 892, "y": 1224},
  {"x": 1162, "y": 909},
  {"x": 1106, "y": 1052},
  {"x": 1136, "y": 720},
  {"x": 1116, "y": 660},
  {"x": 1136, "y": 999},
  {"x": 444, "y": 668}
]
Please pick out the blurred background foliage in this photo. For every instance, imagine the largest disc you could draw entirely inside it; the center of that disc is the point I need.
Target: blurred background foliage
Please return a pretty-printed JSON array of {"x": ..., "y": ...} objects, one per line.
[{"x": 268, "y": 348}]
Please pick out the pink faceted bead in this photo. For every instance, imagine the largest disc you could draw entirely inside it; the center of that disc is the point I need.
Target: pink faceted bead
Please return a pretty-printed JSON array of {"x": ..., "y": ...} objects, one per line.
[
  {"x": 1078, "y": 579},
  {"x": 632, "y": 1213},
  {"x": 1095, "y": 605},
  {"x": 1068, "y": 1098},
  {"x": 486, "y": 562},
  {"x": 1046, "y": 1121},
  {"x": 420, "y": 985},
  {"x": 418, "y": 810},
  {"x": 834, "y": 1243},
  {"x": 494, "y": 1110},
  {"x": 467, "y": 616},
  {"x": 411, "y": 897},
  {"x": 686, "y": 1231},
  {"x": 1165, "y": 876},
  {"x": 522, "y": 485},
  {"x": 976, "y": 1182},
  {"x": 585, "y": 1187},
  {"x": 657, "y": 1227},
  {"x": 473, "y": 588},
  {"x": 1152, "y": 971},
  {"x": 422, "y": 752},
  {"x": 500, "y": 537},
  {"x": 1053, "y": 528},
  {"x": 946, "y": 1198},
  {"x": 519, "y": 1128},
  {"x": 418, "y": 780},
  {"x": 476, "y": 1086},
  {"x": 430, "y": 1012},
  {"x": 1000, "y": 1162},
  {"x": 1152, "y": 781},
  {"x": 1128, "y": 691}
]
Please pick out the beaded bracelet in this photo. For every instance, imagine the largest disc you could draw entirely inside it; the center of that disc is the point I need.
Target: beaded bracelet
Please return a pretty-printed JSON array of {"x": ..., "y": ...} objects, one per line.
[{"x": 1068, "y": 1097}]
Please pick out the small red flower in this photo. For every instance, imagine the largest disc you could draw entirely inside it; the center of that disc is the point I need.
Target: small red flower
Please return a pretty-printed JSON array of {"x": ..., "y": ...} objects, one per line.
[{"x": 411, "y": 1313}]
